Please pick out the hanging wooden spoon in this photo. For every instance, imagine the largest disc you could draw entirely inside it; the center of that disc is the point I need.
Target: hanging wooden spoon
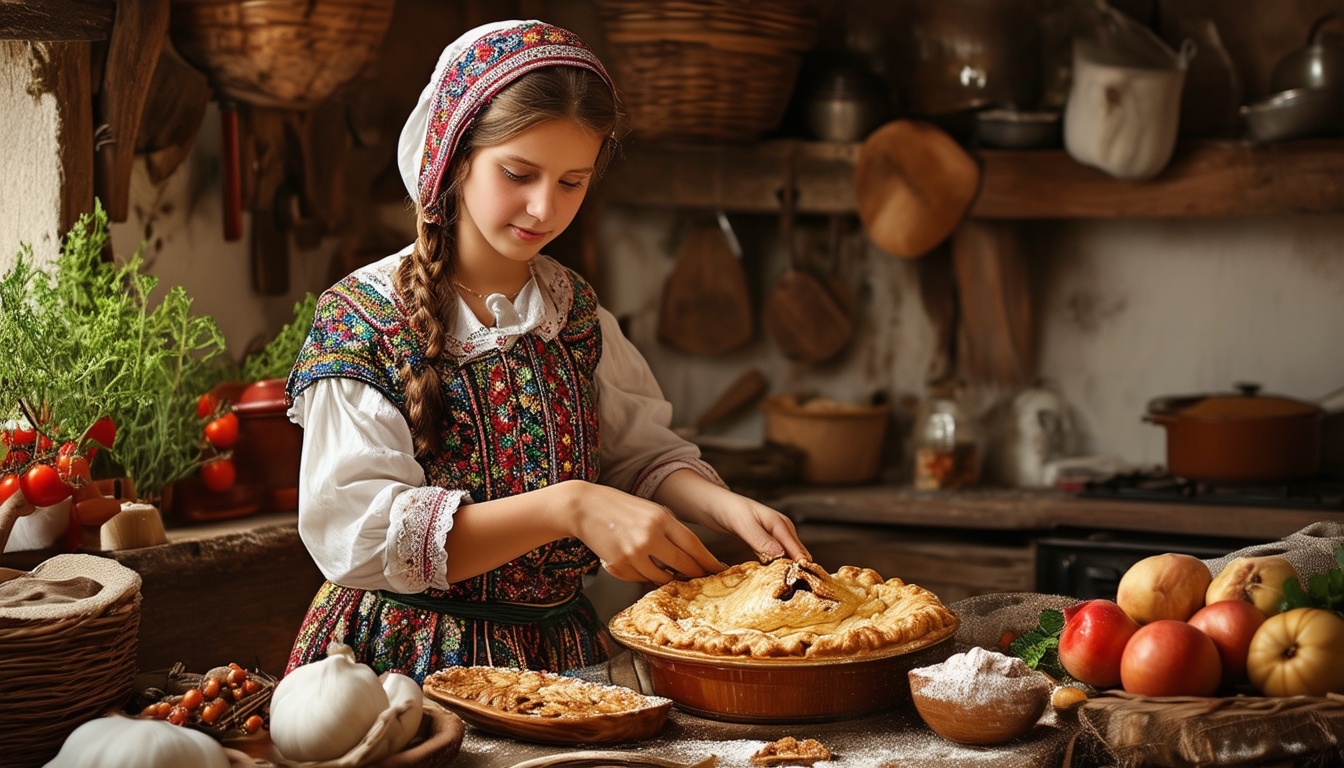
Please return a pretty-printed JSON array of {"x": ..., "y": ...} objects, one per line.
[
  {"x": 706, "y": 304},
  {"x": 802, "y": 316}
]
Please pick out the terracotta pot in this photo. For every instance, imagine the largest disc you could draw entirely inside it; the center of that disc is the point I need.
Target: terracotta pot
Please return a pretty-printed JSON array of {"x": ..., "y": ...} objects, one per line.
[
  {"x": 269, "y": 445},
  {"x": 1242, "y": 438}
]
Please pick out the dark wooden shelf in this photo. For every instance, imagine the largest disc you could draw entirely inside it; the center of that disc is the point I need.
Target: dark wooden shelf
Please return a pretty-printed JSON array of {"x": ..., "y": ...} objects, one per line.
[{"x": 1204, "y": 179}]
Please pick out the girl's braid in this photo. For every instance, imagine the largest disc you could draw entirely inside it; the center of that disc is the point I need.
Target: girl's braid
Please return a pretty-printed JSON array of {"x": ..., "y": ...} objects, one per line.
[{"x": 424, "y": 281}]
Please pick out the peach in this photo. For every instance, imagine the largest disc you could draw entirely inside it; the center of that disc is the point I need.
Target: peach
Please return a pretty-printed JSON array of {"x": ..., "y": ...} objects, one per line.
[
  {"x": 1166, "y": 586},
  {"x": 1255, "y": 580}
]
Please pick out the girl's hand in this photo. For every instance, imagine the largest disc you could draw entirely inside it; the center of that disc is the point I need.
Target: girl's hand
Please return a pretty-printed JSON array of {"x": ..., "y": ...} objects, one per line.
[
  {"x": 768, "y": 532},
  {"x": 636, "y": 539}
]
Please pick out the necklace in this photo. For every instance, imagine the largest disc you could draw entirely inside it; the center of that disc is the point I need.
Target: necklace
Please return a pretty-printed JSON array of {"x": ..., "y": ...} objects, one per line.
[{"x": 481, "y": 296}]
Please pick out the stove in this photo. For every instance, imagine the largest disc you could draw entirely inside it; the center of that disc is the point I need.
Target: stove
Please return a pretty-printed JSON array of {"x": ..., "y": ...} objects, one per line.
[{"x": 1320, "y": 494}]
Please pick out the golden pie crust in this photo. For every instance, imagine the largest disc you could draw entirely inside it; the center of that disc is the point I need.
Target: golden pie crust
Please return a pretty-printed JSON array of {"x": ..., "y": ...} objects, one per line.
[
  {"x": 784, "y": 609},
  {"x": 529, "y": 692},
  {"x": 791, "y": 751}
]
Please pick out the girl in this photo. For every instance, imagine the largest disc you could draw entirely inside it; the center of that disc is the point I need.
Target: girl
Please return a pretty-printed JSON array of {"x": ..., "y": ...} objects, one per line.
[{"x": 478, "y": 435}]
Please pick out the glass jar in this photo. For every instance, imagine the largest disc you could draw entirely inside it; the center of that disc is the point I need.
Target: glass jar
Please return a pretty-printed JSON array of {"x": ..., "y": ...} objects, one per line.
[{"x": 946, "y": 442}]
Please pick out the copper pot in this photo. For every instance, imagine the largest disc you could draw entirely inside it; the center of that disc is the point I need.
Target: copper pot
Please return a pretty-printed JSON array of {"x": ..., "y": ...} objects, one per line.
[{"x": 1238, "y": 438}]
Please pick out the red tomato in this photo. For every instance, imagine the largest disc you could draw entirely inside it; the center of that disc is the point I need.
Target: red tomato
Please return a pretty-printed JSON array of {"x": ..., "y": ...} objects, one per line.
[
  {"x": 218, "y": 475},
  {"x": 43, "y": 486},
  {"x": 23, "y": 436},
  {"x": 44, "y": 443},
  {"x": 8, "y": 485},
  {"x": 102, "y": 432},
  {"x": 223, "y": 431},
  {"x": 206, "y": 406}
]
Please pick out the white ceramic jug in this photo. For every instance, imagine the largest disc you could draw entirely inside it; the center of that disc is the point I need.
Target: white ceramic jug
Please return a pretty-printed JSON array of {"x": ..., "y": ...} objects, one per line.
[{"x": 1124, "y": 106}]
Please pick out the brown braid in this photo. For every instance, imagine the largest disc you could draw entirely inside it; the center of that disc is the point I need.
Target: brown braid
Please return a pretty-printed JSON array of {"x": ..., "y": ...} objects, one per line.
[{"x": 424, "y": 280}]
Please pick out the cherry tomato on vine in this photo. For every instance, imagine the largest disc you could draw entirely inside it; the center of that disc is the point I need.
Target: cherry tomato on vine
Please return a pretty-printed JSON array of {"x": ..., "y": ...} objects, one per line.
[
  {"x": 23, "y": 436},
  {"x": 9, "y": 484},
  {"x": 206, "y": 406},
  {"x": 43, "y": 486},
  {"x": 44, "y": 443},
  {"x": 102, "y": 432},
  {"x": 223, "y": 431},
  {"x": 218, "y": 474}
]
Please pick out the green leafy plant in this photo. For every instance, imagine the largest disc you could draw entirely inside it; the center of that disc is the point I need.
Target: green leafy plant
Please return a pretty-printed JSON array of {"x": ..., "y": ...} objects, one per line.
[
  {"x": 275, "y": 360},
  {"x": 86, "y": 341},
  {"x": 1324, "y": 590},
  {"x": 1039, "y": 646}
]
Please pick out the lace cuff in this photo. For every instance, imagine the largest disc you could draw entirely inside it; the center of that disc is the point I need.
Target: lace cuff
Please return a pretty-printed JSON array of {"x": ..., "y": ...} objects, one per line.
[
  {"x": 420, "y": 521},
  {"x": 648, "y": 481}
]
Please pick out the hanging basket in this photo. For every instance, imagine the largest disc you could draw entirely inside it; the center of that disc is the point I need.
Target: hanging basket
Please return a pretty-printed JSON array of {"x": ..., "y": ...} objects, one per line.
[
  {"x": 291, "y": 54},
  {"x": 68, "y": 633},
  {"x": 716, "y": 70}
]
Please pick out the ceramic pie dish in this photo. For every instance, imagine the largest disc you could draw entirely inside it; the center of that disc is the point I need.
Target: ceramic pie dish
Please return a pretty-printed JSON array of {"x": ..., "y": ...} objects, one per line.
[
  {"x": 580, "y": 712},
  {"x": 785, "y": 642}
]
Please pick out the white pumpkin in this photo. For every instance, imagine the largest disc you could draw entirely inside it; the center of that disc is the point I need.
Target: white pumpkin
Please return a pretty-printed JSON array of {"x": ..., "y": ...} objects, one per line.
[{"x": 130, "y": 742}]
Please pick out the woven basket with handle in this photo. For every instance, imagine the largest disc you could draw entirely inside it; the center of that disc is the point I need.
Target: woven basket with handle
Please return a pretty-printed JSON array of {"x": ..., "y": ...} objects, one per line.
[
  {"x": 68, "y": 632},
  {"x": 717, "y": 70}
]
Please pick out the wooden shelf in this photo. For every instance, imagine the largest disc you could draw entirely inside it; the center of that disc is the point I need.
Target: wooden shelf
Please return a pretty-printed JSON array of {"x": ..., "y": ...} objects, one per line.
[{"x": 1204, "y": 179}]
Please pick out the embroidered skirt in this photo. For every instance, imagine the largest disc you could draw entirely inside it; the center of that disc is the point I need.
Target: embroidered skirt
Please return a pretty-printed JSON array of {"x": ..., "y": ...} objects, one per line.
[{"x": 402, "y": 633}]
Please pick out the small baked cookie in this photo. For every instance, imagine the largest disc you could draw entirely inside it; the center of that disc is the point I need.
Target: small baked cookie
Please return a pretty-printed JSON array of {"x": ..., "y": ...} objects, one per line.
[
  {"x": 791, "y": 751},
  {"x": 529, "y": 692},
  {"x": 786, "y": 608}
]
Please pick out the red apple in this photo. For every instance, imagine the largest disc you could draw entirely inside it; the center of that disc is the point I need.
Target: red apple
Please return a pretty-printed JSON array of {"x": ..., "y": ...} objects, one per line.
[
  {"x": 1170, "y": 658},
  {"x": 1230, "y": 624},
  {"x": 1094, "y": 637}
]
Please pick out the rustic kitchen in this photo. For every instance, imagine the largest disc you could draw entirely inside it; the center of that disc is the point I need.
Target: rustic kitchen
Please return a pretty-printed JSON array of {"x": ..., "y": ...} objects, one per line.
[{"x": 1024, "y": 312}]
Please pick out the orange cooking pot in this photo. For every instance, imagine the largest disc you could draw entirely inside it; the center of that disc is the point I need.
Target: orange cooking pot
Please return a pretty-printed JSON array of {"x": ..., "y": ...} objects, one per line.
[{"x": 1239, "y": 438}]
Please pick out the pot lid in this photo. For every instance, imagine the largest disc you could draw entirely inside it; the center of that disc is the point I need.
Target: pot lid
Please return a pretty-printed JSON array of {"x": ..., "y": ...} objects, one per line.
[{"x": 1245, "y": 404}]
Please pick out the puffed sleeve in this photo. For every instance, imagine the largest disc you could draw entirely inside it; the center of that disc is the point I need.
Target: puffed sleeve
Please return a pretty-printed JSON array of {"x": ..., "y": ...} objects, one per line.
[
  {"x": 639, "y": 448},
  {"x": 365, "y": 514}
]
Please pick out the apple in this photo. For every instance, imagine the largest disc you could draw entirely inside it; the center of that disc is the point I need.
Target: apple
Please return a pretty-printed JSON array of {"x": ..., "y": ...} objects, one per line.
[
  {"x": 1298, "y": 653},
  {"x": 1256, "y": 580},
  {"x": 1170, "y": 658},
  {"x": 1230, "y": 624},
  {"x": 1166, "y": 586},
  {"x": 1094, "y": 636}
]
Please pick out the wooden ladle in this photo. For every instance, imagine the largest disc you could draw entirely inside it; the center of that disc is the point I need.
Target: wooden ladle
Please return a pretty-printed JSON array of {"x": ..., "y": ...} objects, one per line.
[{"x": 804, "y": 318}]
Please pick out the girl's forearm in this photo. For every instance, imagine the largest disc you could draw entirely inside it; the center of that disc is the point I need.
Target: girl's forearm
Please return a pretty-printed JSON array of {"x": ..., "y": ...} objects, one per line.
[{"x": 489, "y": 534}]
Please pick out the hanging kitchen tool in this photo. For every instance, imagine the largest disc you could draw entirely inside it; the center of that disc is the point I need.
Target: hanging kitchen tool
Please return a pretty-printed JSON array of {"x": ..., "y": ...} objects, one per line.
[
  {"x": 172, "y": 118},
  {"x": 913, "y": 184},
  {"x": 743, "y": 391},
  {"x": 996, "y": 341},
  {"x": 132, "y": 55},
  {"x": 938, "y": 294},
  {"x": 706, "y": 304},
  {"x": 802, "y": 315}
]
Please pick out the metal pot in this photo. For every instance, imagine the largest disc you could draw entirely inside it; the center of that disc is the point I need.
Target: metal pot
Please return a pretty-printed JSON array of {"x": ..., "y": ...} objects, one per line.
[{"x": 1239, "y": 438}]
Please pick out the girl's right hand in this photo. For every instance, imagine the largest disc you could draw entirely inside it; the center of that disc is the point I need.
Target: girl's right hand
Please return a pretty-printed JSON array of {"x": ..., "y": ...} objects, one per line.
[{"x": 636, "y": 539}]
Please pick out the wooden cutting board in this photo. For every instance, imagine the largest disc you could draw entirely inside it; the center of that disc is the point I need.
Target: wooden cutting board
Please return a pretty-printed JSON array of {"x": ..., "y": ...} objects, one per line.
[
  {"x": 996, "y": 335},
  {"x": 913, "y": 184},
  {"x": 706, "y": 304}
]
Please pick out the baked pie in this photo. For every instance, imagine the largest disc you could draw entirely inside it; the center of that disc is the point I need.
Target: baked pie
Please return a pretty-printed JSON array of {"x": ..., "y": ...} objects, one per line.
[
  {"x": 539, "y": 694},
  {"x": 786, "y": 609}
]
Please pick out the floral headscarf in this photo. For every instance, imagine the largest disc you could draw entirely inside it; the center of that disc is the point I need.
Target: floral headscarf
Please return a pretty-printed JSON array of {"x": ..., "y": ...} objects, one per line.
[{"x": 470, "y": 71}]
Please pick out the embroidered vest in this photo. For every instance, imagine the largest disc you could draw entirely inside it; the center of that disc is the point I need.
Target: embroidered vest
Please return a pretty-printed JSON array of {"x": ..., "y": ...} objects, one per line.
[{"x": 514, "y": 420}]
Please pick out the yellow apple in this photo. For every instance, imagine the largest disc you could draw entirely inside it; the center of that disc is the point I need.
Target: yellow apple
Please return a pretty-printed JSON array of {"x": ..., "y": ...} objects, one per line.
[
  {"x": 1255, "y": 580},
  {"x": 1166, "y": 586},
  {"x": 1298, "y": 653}
]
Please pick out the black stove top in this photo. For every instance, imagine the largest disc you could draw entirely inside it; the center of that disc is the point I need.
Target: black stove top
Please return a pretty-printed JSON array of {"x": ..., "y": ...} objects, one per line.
[{"x": 1323, "y": 494}]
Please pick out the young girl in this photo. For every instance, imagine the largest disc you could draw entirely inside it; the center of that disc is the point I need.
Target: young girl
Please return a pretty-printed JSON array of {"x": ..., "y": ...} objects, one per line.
[{"x": 478, "y": 435}]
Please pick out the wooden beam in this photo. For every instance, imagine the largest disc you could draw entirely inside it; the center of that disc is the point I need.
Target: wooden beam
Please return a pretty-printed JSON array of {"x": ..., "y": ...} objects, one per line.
[
  {"x": 62, "y": 69},
  {"x": 56, "y": 20}
]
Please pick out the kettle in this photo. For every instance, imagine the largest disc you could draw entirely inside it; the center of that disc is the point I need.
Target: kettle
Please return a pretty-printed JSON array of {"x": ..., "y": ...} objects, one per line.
[
  {"x": 1039, "y": 429},
  {"x": 1319, "y": 65}
]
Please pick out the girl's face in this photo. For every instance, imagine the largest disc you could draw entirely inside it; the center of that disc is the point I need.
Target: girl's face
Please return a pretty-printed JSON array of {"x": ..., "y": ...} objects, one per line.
[{"x": 521, "y": 194}]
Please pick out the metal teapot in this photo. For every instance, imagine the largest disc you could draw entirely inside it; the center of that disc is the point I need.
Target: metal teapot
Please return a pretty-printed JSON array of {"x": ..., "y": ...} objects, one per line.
[{"x": 1319, "y": 65}]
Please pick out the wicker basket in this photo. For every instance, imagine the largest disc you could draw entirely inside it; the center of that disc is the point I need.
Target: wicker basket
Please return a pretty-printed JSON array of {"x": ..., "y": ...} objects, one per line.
[
  {"x": 68, "y": 632},
  {"x": 279, "y": 53},
  {"x": 717, "y": 70}
]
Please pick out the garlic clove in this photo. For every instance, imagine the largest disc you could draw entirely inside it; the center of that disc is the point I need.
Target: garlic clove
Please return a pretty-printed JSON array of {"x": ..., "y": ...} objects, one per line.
[{"x": 406, "y": 699}]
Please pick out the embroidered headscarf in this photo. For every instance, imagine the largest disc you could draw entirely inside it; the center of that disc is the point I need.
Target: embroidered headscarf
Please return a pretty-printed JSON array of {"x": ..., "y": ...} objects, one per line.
[{"x": 470, "y": 71}]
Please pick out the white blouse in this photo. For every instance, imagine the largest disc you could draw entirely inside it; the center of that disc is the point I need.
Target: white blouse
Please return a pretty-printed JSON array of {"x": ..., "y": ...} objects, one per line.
[{"x": 365, "y": 514}]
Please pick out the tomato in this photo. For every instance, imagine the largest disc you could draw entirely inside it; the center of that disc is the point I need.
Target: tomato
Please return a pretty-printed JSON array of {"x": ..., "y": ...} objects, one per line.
[
  {"x": 43, "y": 486},
  {"x": 223, "y": 431},
  {"x": 8, "y": 485},
  {"x": 23, "y": 435},
  {"x": 16, "y": 458},
  {"x": 206, "y": 406},
  {"x": 102, "y": 432},
  {"x": 44, "y": 443},
  {"x": 218, "y": 474},
  {"x": 1298, "y": 652}
]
